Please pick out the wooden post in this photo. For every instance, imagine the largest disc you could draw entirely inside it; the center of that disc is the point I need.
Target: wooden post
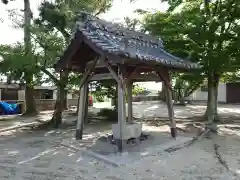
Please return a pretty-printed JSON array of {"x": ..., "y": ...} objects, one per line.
[
  {"x": 86, "y": 103},
  {"x": 165, "y": 77},
  {"x": 121, "y": 102},
  {"x": 129, "y": 100},
  {"x": 168, "y": 94},
  {"x": 83, "y": 88},
  {"x": 121, "y": 109},
  {"x": 81, "y": 111}
]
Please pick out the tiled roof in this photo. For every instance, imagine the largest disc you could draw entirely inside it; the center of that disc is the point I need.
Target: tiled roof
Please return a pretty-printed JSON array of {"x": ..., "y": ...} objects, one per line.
[{"x": 115, "y": 39}]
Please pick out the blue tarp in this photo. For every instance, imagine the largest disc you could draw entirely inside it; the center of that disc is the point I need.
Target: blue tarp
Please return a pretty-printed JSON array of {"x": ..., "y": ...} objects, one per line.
[{"x": 8, "y": 109}]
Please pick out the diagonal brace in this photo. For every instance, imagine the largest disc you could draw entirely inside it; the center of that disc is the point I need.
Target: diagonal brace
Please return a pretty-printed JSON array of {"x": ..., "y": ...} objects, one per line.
[
  {"x": 87, "y": 73},
  {"x": 112, "y": 72}
]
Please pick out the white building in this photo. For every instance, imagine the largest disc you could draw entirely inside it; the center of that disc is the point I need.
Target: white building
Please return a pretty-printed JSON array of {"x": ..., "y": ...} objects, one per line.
[{"x": 227, "y": 93}]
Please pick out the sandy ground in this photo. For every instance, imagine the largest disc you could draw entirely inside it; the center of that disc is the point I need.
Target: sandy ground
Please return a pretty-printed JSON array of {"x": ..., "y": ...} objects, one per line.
[
  {"x": 39, "y": 155},
  {"x": 159, "y": 109},
  {"x": 153, "y": 109}
]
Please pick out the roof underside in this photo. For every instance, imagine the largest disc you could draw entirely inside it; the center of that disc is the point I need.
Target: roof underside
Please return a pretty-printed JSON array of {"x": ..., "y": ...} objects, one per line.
[{"x": 97, "y": 37}]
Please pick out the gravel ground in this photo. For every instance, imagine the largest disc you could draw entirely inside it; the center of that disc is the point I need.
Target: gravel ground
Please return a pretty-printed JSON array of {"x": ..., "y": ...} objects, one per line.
[{"x": 39, "y": 156}]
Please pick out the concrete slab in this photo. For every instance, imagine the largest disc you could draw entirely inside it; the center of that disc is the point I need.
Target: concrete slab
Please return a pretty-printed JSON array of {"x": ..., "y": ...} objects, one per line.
[
  {"x": 132, "y": 130},
  {"x": 105, "y": 151}
]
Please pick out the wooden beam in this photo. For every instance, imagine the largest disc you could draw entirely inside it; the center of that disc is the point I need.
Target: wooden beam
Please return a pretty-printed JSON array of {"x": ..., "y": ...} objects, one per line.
[
  {"x": 138, "y": 78},
  {"x": 101, "y": 64}
]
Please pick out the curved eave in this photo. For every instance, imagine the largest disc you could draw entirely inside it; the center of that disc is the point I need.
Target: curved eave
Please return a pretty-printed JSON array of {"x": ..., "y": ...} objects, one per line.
[{"x": 162, "y": 58}]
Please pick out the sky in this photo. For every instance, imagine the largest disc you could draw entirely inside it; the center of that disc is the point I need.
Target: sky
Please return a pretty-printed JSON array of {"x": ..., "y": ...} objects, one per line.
[{"x": 119, "y": 10}]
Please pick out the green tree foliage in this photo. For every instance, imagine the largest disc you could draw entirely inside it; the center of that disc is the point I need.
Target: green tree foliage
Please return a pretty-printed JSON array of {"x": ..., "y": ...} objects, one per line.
[
  {"x": 27, "y": 73},
  {"x": 50, "y": 33},
  {"x": 16, "y": 63},
  {"x": 131, "y": 23},
  {"x": 204, "y": 31},
  {"x": 60, "y": 17}
]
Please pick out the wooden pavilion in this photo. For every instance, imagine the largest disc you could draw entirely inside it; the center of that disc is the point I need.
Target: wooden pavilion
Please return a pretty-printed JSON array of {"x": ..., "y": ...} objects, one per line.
[{"x": 103, "y": 50}]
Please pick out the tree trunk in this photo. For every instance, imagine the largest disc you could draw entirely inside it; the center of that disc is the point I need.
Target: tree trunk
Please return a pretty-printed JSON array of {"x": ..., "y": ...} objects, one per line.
[
  {"x": 9, "y": 79},
  {"x": 59, "y": 105},
  {"x": 86, "y": 107},
  {"x": 87, "y": 104},
  {"x": 215, "y": 88},
  {"x": 78, "y": 106},
  {"x": 115, "y": 99},
  {"x": 29, "y": 91},
  {"x": 211, "y": 113},
  {"x": 181, "y": 98},
  {"x": 29, "y": 96},
  {"x": 162, "y": 93},
  {"x": 65, "y": 100}
]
